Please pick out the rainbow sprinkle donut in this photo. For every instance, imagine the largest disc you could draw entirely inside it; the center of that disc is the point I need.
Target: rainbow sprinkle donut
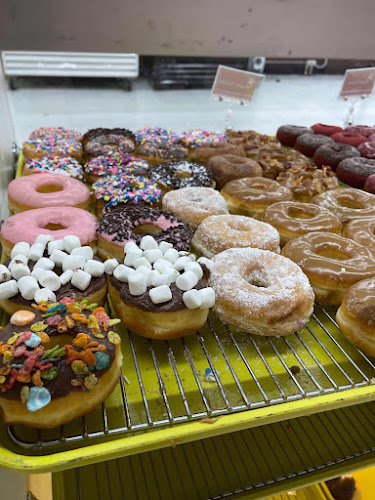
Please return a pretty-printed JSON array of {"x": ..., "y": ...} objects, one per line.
[
  {"x": 64, "y": 165},
  {"x": 198, "y": 137},
  {"x": 120, "y": 163},
  {"x": 46, "y": 133},
  {"x": 157, "y": 136},
  {"x": 52, "y": 147}
]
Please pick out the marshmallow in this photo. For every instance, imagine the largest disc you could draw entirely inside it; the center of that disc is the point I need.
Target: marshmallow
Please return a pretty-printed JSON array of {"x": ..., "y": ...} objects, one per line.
[
  {"x": 45, "y": 263},
  {"x": 207, "y": 262},
  {"x": 153, "y": 255},
  {"x": 19, "y": 270},
  {"x": 37, "y": 272},
  {"x": 58, "y": 257},
  {"x": 144, "y": 270},
  {"x": 18, "y": 259},
  {"x": 44, "y": 239},
  {"x": 95, "y": 268},
  {"x": 66, "y": 277},
  {"x": 86, "y": 252},
  {"x": 49, "y": 279},
  {"x": 171, "y": 255},
  {"x": 8, "y": 289},
  {"x": 4, "y": 273},
  {"x": 195, "y": 268},
  {"x": 131, "y": 246},
  {"x": 132, "y": 255},
  {"x": 44, "y": 295},
  {"x": 181, "y": 262},
  {"x": 137, "y": 283},
  {"x": 160, "y": 294},
  {"x": 73, "y": 262},
  {"x": 164, "y": 246},
  {"x": 192, "y": 299},
  {"x": 110, "y": 265},
  {"x": 36, "y": 251},
  {"x": 187, "y": 281},
  {"x": 208, "y": 297},
  {"x": 70, "y": 242},
  {"x": 55, "y": 245},
  {"x": 183, "y": 253},
  {"x": 151, "y": 276},
  {"x": 27, "y": 286},
  {"x": 161, "y": 279},
  {"x": 22, "y": 247},
  {"x": 122, "y": 272},
  {"x": 148, "y": 242},
  {"x": 163, "y": 266},
  {"x": 173, "y": 274},
  {"x": 81, "y": 279},
  {"x": 141, "y": 262}
]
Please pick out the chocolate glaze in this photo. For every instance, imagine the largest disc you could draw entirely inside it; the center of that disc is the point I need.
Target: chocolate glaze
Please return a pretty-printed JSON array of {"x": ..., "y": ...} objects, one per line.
[
  {"x": 95, "y": 132},
  {"x": 163, "y": 151},
  {"x": 294, "y": 130},
  {"x": 360, "y": 166}
]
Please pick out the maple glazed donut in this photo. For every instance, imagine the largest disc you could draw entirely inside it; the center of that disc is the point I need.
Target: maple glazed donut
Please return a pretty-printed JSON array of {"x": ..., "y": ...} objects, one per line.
[
  {"x": 220, "y": 232},
  {"x": 46, "y": 190},
  {"x": 293, "y": 219},
  {"x": 362, "y": 231},
  {"x": 260, "y": 292},
  {"x": 226, "y": 168},
  {"x": 250, "y": 196},
  {"x": 331, "y": 262}
]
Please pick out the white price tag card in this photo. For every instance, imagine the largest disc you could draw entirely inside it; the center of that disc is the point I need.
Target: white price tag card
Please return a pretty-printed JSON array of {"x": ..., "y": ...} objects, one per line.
[
  {"x": 358, "y": 82},
  {"x": 235, "y": 85}
]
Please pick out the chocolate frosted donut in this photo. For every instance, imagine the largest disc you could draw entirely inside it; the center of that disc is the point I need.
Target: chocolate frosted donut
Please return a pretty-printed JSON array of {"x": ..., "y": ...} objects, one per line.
[
  {"x": 330, "y": 155},
  {"x": 203, "y": 154},
  {"x": 367, "y": 150},
  {"x": 307, "y": 144},
  {"x": 361, "y": 129},
  {"x": 157, "y": 152},
  {"x": 96, "y": 132},
  {"x": 227, "y": 168},
  {"x": 354, "y": 171},
  {"x": 107, "y": 144},
  {"x": 180, "y": 174},
  {"x": 320, "y": 128},
  {"x": 287, "y": 134},
  {"x": 351, "y": 138}
]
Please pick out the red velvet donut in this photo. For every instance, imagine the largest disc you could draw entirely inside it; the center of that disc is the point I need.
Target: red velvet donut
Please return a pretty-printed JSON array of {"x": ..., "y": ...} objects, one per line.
[
  {"x": 307, "y": 144},
  {"x": 370, "y": 184},
  {"x": 287, "y": 134},
  {"x": 320, "y": 128},
  {"x": 330, "y": 155},
  {"x": 361, "y": 129},
  {"x": 371, "y": 138},
  {"x": 355, "y": 171},
  {"x": 353, "y": 139},
  {"x": 367, "y": 150}
]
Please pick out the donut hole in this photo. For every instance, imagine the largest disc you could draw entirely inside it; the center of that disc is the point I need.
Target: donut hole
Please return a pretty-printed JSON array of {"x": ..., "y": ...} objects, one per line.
[
  {"x": 144, "y": 229},
  {"x": 49, "y": 188},
  {"x": 183, "y": 174},
  {"x": 258, "y": 279},
  {"x": 351, "y": 204},
  {"x": 299, "y": 213},
  {"x": 332, "y": 253},
  {"x": 54, "y": 227}
]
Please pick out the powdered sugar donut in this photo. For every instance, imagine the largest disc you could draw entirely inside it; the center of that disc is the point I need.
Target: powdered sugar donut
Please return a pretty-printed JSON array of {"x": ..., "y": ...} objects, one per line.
[
  {"x": 64, "y": 165},
  {"x": 220, "y": 232},
  {"x": 261, "y": 292}
]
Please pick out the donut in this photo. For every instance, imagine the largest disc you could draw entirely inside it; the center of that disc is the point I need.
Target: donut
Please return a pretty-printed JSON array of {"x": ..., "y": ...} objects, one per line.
[
  {"x": 194, "y": 204},
  {"x": 355, "y": 316},
  {"x": 181, "y": 174},
  {"x": 130, "y": 223},
  {"x": 330, "y": 155},
  {"x": 362, "y": 231},
  {"x": 322, "y": 129},
  {"x": 46, "y": 133},
  {"x": 260, "y": 292},
  {"x": 307, "y": 182},
  {"x": 220, "y": 232},
  {"x": 351, "y": 138},
  {"x": 276, "y": 160},
  {"x": 203, "y": 154},
  {"x": 197, "y": 137},
  {"x": 370, "y": 184},
  {"x": 287, "y": 134},
  {"x": 155, "y": 153},
  {"x": 108, "y": 144},
  {"x": 63, "y": 165},
  {"x": 250, "y": 196},
  {"x": 96, "y": 132},
  {"x": 57, "y": 363},
  {"x": 331, "y": 262},
  {"x": 249, "y": 138},
  {"x": 39, "y": 148},
  {"x": 116, "y": 164},
  {"x": 354, "y": 171},
  {"x": 157, "y": 135},
  {"x": 307, "y": 144},
  {"x": 293, "y": 219},
  {"x": 348, "y": 204},
  {"x": 120, "y": 189},
  {"x": 226, "y": 168},
  {"x": 367, "y": 150},
  {"x": 361, "y": 129},
  {"x": 161, "y": 306},
  {"x": 53, "y": 221}
]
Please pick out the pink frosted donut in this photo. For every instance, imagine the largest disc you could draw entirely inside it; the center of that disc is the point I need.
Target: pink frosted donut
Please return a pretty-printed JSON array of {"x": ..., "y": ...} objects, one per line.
[
  {"x": 46, "y": 190},
  {"x": 54, "y": 221}
]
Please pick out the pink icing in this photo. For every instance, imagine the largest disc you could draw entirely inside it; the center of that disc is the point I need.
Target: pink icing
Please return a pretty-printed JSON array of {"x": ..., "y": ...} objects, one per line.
[
  {"x": 24, "y": 191},
  {"x": 26, "y": 226}
]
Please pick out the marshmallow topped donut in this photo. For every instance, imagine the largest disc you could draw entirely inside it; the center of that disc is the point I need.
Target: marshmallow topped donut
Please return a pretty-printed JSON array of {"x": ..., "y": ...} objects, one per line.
[
  {"x": 46, "y": 190},
  {"x": 260, "y": 292},
  {"x": 220, "y": 232},
  {"x": 53, "y": 222},
  {"x": 64, "y": 165}
]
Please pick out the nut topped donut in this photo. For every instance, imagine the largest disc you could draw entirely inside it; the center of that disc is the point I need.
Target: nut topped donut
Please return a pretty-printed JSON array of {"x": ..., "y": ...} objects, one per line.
[
  {"x": 273, "y": 162},
  {"x": 63, "y": 165},
  {"x": 307, "y": 144},
  {"x": 331, "y": 262},
  {"x": 180, "y": 174},
  {"x": 348, "y": 204},
  {"x": 220, "y": 232},
  {"x": 330, "y": 155},
  {"x": 260, "y": 292},
  {"x": 287, "y": 134},
  {"x": 250, "y": 196},
  {"x": 226, "y": 168},
  {"x": 362, "y": 231},
  {"x": 354, "y": 171}
]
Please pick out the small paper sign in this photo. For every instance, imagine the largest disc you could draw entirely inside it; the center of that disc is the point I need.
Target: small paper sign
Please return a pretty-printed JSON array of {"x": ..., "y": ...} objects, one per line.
[
  {"x": 235, "y": 85},
  {"x": 358, "y": 82}
]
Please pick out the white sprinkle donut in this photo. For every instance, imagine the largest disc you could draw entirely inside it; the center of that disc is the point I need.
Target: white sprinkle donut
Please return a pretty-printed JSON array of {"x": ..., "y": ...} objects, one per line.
[
  {"x": 261, "y": 292},
  {"x": 220, "y": 232}
]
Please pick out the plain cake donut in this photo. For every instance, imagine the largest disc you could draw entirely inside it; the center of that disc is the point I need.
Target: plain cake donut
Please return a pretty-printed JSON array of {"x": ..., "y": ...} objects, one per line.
[
  {"x": 226, "y": 168},
  {"x": 348, "y": 204}
]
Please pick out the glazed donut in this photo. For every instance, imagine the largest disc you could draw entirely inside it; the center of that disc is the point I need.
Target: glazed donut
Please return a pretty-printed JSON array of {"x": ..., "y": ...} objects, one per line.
[
  {"x": 181, "y": 174},
  {"x": 102, "y": 166},
  {"x": 59, "y": 147},
  {"x": 353, "y": 139},
  {"x": 307, "y": 182},
  {"x": 355, "y": 316},
  {"x": 63, "y": 165},
  {"x": 370, "y": 184},
  {"x": 367, "y": 150},
  {"x": 361, "y": 129},
  {"x": 320, "y": 128},
  {"x": 331, "y": 262},
  {"x": 220, "y": 232},
  {"x": 260, "y": 292},
  {"x": 122, "y": 224},
  {"x": 287, "y": 134},
  {"x": 354, "y": 171},
  {"x": 226, "y": 168},
  {"x": 307, "y": 144},
  {"x": 198, "y": 137},
  {"x": 109, "y": 144},
  {"x": 47, "y": 133},
  {"x": 46, "y": 190},
  {"x": 348, "y": 204},
  {"x": 194, "y": 204},
  {"x": 96, "y": 132},
  {"x": 203, "y": 154},
  {"x": 330, "y": 155},
  {"x": 62, "y": 368},
  {"x": 53, "y": 221},
  {"x": 293, "y": 219},
  {"x": 155, "y": 153},
  {"x": 250, "y": 196},
  {"x": 362, "y": 231}
]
